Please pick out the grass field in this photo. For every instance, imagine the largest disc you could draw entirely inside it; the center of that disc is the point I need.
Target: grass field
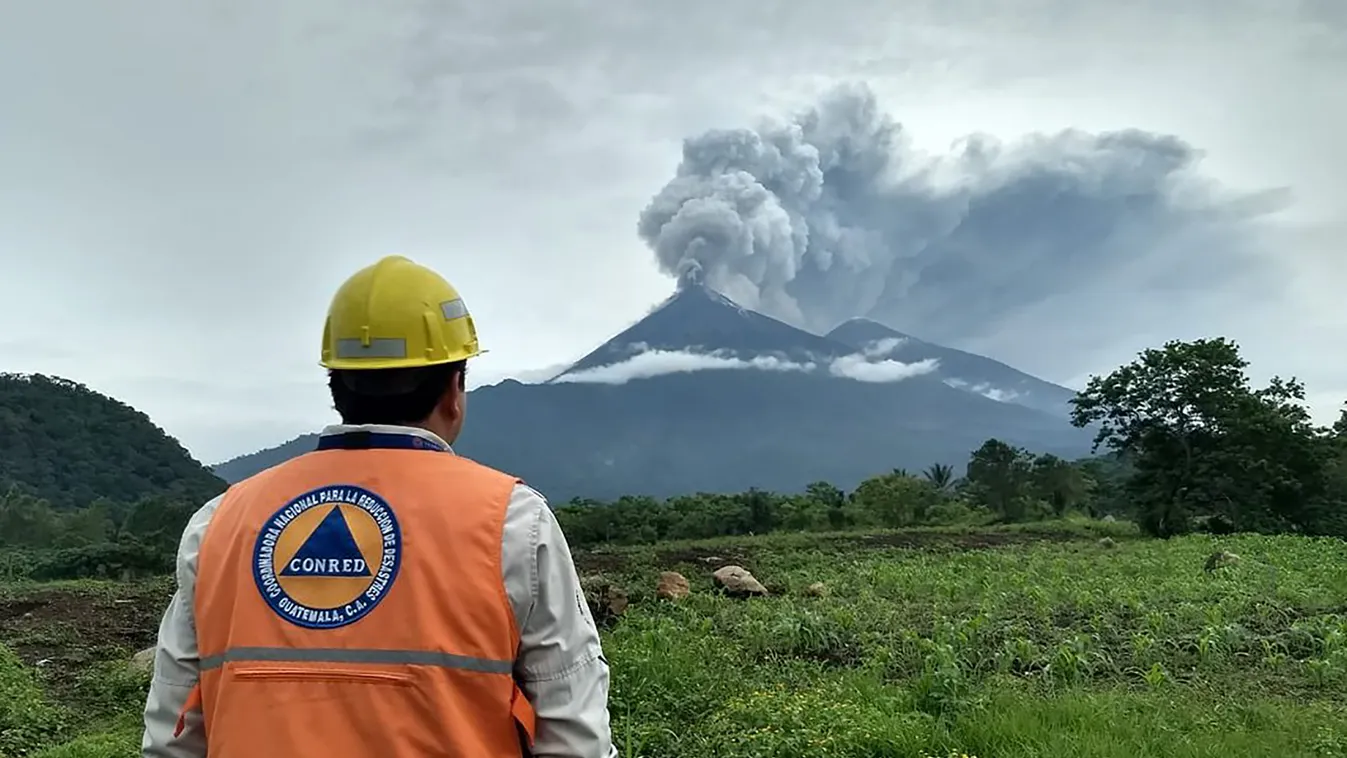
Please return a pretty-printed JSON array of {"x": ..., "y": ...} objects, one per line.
[{"x": 1005, "y": 643}]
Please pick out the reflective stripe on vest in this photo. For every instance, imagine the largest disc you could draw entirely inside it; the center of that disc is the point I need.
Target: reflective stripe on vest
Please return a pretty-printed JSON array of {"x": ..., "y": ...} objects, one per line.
[
  {"x": 355, "y": 593},
  {"x": 347, "y": 655}
]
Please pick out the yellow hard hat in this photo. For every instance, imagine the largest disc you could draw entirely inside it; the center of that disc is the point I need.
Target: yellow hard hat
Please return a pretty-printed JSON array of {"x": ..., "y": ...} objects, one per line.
[{"x": 397, "y": 314}]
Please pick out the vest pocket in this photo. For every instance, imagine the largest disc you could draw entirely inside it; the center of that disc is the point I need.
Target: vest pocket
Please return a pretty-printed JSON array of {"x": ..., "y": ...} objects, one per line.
[{"x": 340, "y": 676}]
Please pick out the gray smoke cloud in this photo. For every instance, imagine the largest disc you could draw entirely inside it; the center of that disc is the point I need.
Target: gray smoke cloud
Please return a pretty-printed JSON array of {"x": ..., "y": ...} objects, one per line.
[{"x": 831, "y": 214}]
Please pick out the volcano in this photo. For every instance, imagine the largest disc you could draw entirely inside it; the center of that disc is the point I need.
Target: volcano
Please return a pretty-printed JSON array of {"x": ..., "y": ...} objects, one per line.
[
  {"x": 705, "y": 395},
  {"x": 959, "y": 369},
  {"x": 698, "y": 319}
]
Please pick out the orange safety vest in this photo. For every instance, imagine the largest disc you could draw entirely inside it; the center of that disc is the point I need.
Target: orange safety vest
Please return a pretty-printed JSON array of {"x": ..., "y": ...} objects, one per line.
[{"x": 349, "y": 603}]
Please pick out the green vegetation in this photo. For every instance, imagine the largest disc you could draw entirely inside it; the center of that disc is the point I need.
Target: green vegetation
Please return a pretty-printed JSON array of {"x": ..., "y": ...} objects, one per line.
[
  {"x": 66, "y": 688},
  {"x": 1209, "y": 451},
  {"x": 1023, "y": 609},
  {"x": 1004, "y": 642},
  {"x": 70, "y": 446},
  {"x": 1037, "y": 649}
]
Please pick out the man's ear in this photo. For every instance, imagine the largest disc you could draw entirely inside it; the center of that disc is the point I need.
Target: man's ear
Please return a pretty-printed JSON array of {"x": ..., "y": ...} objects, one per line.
[{"x": 456, "y": 386}]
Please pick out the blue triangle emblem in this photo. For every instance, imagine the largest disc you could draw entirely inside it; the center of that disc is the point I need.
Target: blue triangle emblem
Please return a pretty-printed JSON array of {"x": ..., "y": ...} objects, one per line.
[{"x": 329, "y": 552}]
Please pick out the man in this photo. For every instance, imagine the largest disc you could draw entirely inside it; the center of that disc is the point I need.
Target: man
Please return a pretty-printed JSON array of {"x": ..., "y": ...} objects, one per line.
[{"x": 380, "y": 596}]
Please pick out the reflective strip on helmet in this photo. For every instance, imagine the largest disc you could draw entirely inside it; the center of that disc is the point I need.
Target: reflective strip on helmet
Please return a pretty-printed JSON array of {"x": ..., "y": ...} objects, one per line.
[
  {"x": 346, "y": 655},
  {"x": 383, "y": 347},
  {"x": 453, "y": 309}
]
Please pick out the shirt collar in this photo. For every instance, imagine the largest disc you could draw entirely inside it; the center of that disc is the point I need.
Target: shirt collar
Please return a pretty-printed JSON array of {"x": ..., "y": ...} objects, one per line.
[{"x": 413, "y": 431}]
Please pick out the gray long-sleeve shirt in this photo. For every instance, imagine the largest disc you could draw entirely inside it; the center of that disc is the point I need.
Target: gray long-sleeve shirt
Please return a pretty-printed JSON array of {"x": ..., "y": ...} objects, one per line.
[{"x": 560, "y": 664}]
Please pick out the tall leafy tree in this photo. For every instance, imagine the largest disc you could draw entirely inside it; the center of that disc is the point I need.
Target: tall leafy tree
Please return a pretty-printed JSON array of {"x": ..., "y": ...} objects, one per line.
[
  {"x": 26, "y": 521},
  {"x": 896, "y": 499},
  {"x": 1058, "y": 483},
  {"x": 999, "y": 477},
  {"x": 1206, "y": 447},
  {"x": 833, "y": 500}
]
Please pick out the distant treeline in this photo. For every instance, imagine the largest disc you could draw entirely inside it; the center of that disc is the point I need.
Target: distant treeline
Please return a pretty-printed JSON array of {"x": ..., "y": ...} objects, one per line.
[
  {"x": 105, "y": 539},
  {"x": 1003, "y": 484},
  {"x": 1189, "y": 445}
]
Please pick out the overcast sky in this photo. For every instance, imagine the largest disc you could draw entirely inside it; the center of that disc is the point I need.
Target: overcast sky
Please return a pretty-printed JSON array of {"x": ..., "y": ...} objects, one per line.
[{"x": 183, "y": 185}]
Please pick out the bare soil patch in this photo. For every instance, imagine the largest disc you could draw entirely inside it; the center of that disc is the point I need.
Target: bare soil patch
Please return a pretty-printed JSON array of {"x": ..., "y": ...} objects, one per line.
[
  {"x": 597, "y": 563},
  {"x": 66, "y": 628}
]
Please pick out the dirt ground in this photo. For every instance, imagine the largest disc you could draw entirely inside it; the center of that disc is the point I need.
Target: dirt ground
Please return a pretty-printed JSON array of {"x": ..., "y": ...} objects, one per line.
[{"x": 65, "y": 627}]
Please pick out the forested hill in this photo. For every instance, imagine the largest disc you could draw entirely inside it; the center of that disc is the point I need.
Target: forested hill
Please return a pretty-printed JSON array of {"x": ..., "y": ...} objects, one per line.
[{"x": 70, "y": 446}]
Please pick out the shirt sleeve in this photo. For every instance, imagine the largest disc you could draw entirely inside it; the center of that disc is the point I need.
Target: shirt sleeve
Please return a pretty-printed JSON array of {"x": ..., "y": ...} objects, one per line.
[
  {"x": 560, "y": 666},
  {"x": 176, "y": 662}
]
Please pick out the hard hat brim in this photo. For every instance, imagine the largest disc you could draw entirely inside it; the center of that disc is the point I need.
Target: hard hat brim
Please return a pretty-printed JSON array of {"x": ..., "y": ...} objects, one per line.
[{"x": 381, "y": 364}]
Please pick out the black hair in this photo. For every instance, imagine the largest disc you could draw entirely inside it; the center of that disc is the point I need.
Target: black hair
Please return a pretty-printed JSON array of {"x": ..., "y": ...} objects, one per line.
[{"x": 392, "y": 396}]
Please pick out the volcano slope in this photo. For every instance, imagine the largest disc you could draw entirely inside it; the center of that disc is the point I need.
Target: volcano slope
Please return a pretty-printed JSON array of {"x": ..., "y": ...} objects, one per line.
[
  {"x": 1020, "y": 642},
  {"x": 704, "y": 395}
]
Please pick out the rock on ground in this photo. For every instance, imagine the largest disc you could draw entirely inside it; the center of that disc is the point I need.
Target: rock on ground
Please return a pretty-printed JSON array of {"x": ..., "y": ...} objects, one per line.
[
  {"x": 606, "y": 600},
  {"x": 1219, "y": 559},
  {"x": 672, "y": 585},
  {"x": 143, "y": 661},
  {"x": 736, "y": 580},
  {"x": 817, "y": 589}
]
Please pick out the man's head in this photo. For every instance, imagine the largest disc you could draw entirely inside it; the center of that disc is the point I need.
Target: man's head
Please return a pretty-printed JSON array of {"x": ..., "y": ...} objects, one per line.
[
  {"x": 431, "y": 397},
  {"x": 396, "y": 345}
]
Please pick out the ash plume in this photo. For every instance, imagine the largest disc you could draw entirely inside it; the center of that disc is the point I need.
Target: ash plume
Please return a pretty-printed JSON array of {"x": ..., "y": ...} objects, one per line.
[{"x": 830, "y": 214}]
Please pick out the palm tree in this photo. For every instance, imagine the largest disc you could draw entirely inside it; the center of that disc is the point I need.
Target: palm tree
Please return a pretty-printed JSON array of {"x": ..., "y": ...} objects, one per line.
[{"x": 939, "y": 475}]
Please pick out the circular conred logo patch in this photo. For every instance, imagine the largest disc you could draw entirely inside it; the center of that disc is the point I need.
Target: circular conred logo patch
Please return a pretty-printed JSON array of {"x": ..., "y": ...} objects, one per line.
[{"x": 327, "y": 558}]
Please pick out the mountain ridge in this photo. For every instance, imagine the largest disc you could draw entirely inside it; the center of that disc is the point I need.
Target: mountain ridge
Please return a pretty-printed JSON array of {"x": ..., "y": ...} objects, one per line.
[
  {"x": 70, "y": 445},
  {"x": 788, "y": 407},
  {"x": 1013, "y": 384}
]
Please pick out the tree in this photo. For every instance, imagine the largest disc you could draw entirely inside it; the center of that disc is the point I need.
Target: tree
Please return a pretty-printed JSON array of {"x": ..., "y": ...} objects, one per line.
[
  {"x": 896, "y": 499},
  {"x": 761, "y": 507},
  {"x": 940, "y": 475},
  {"x": 1206, "y": 447},
  {"x": 26, "y": 521},
  {"x": 156, "y": 521},
  {"x": 802, "y": 513},
  {"x": 1058, "y": 483},
  {"x": 91, "y": 525},
  {"x": 833, "y": 500},
  {"x": 1105, "y": 478},
  {"x": 1328, "y": 515},
  {"x": 999, "y": 477},
  {"x": 1338, "y": 432}
]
